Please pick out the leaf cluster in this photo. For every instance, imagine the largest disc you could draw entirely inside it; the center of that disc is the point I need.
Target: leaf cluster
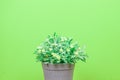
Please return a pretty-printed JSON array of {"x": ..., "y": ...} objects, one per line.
[{"x": 56, "y": 49}]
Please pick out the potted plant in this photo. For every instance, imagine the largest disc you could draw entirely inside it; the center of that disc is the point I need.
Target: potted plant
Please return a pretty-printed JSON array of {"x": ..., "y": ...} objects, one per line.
[{"x": 58, "y": 56}]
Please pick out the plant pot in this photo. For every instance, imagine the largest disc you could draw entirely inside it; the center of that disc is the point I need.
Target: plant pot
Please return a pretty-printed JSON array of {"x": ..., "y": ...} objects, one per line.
[{"x": 58, "y": 71}]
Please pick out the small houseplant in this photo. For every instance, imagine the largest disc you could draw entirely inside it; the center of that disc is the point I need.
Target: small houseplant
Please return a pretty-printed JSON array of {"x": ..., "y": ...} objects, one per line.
[{"x": 58, "y": 56}]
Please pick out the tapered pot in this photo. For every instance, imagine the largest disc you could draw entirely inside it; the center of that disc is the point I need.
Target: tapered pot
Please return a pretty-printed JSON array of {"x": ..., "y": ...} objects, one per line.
[{"x": 58, "y": 71}]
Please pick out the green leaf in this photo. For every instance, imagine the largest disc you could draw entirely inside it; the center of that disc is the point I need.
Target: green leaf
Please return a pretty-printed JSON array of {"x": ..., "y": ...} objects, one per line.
[{"x": 63, "y": 47}]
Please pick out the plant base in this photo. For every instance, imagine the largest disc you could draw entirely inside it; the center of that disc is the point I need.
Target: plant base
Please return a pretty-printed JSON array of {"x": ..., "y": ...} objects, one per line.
[{"x": 58, "y": 71}]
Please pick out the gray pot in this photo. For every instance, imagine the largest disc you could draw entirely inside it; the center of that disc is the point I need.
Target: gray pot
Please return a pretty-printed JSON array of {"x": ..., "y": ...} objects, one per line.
[{"x": 58, "y": 71}]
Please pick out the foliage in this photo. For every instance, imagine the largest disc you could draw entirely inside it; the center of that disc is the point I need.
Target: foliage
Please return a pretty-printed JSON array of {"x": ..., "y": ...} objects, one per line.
[{"x": 56, "y": 49}]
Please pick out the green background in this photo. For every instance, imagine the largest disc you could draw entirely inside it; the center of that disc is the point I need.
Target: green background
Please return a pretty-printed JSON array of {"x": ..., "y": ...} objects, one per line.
[{"x": 24, "y": 24}]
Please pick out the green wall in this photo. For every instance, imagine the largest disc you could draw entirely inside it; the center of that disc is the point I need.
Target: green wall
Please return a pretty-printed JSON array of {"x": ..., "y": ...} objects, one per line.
[{"x": 24, "y": 24}]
